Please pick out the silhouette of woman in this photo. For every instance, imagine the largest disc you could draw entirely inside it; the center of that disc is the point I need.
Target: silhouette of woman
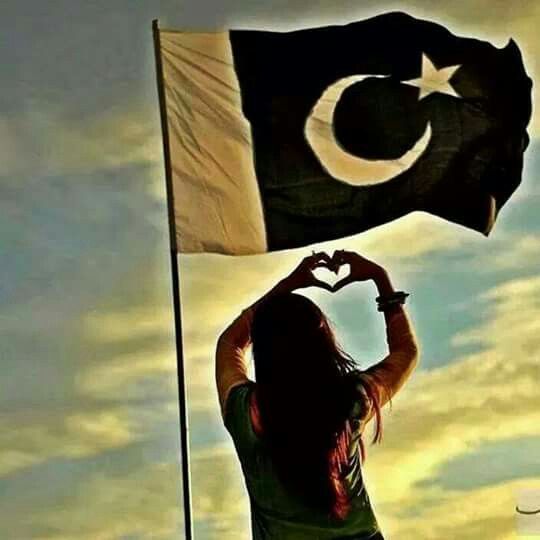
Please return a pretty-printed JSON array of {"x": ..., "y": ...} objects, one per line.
[{"x": 298, "y": 429}]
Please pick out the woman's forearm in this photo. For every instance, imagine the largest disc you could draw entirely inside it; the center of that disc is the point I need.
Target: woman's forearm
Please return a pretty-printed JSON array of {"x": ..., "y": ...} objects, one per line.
[
  {"x": 385, "y": 288},
  {"x": 382, "y": 282},
  {"x": 399, "y": 328},
  {"x": 397, "y": 366}
]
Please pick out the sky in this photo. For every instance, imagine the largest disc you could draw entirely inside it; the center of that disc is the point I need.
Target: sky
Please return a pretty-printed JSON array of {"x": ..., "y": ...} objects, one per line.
[{"x": 89, "y": 444}]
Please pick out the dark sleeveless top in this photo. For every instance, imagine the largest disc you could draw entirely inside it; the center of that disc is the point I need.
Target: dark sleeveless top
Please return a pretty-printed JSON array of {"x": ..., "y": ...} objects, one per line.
[{"x": 275, "y": 513}]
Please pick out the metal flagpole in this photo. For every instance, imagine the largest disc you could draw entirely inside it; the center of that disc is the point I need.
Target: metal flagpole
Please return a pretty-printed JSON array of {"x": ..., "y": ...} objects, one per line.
[{"x": 184, "y": 427}]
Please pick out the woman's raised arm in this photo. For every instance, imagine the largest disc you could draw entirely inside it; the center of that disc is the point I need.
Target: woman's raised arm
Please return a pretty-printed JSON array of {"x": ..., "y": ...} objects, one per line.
[
  {"x": 390, "y": 374},
  {"x": 403, "y": 348},
  {"x": 231, "y": 363}
]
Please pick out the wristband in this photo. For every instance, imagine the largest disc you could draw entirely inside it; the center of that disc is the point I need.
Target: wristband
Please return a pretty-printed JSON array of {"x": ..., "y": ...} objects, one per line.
[{"x": 385, "y": 302}]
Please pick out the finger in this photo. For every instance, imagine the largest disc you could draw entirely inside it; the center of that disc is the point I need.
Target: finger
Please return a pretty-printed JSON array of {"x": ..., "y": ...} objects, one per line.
[
  {"x": 314, "y": 256},
  {"x": 307, "y": 262},
  {"x": 321, "y": 284},
  {"x": 321, "y": 257},
  {"x": 334, "y": 265},
  {"x": 321, "y": 264},
  {"x": 342, "y": 283},
  {"x": 339, "y": 253},
  {"x": 337, "y": 259}
]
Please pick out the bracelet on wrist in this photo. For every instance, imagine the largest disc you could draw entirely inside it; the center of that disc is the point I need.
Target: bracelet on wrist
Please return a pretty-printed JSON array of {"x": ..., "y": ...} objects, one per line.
[
  {"x": 390, "y": 300},
  {"x": 392, "y": 296}
]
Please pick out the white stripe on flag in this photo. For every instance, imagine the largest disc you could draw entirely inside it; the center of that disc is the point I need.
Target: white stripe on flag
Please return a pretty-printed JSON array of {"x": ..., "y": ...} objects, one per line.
[{"x": 217, "y": 201}]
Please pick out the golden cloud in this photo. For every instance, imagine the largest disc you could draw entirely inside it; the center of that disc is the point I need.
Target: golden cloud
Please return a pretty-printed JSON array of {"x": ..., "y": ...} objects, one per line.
[
  {"x": 61, "y": 144},
  {"x": 30, "y": 439},
  {"x": 143, "y": 503}
]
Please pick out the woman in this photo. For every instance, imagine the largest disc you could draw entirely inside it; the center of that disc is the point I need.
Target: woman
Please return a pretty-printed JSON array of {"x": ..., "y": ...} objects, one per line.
[{"x": 298, "y": 429}]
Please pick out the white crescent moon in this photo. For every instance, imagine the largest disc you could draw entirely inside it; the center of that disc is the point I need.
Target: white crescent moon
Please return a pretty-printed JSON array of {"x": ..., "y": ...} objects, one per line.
[{"x": 339, "y": 163}]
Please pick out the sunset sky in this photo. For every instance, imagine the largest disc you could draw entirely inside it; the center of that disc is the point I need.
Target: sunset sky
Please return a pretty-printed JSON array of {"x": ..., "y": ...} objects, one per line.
[{"x": 89, "y": 444}]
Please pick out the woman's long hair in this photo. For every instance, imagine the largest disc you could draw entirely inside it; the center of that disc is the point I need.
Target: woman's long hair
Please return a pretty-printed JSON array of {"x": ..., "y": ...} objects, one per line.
[{"x": 304, "y": 400}]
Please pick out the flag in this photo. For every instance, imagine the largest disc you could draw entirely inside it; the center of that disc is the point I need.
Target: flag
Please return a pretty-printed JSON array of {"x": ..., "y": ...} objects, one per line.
[{"x": 283, "y": 139}]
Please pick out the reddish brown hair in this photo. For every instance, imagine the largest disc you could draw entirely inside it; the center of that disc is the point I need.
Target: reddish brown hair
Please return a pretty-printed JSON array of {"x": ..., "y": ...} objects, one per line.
[{"x": 305, "y": 398}]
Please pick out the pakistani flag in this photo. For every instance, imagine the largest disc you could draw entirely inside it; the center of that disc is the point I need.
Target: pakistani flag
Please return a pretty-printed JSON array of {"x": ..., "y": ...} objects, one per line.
[{"x": 281, "y": 139}]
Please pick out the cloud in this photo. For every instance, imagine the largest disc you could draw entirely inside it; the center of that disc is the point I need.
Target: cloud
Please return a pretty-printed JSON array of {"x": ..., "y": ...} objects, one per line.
[
  {"x": 89, "y": 430},
  {"x": 151, "y": 330},
  {"x": 117, "y": 326},
  {"x": 219, "y": 500},
  {"x": 56, "y": 143},
  {"x": 481, "y": 513},
  {"x": 516, "y": 321},
  {"x": 416, "y": 235},
  {"x": 33, "y": 437},
  {"x": 89, "y": 381},
  {"x": 508, "y": 252},
  {"x": 141, "y": 502}
]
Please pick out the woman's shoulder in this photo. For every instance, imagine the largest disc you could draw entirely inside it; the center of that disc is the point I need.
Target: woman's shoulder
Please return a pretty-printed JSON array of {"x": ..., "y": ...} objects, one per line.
[
  {"x": 238, "y": 398},
  {"x": 355, "y": 385},
  {"x": 238, "y": 416},
  {"x": 355, "y": 378}
]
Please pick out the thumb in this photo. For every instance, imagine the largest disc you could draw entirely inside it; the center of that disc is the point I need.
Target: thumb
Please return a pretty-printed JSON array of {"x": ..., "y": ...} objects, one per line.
[
  {"x": 321, "y": 284},
  {"x": 342, "y": 283}
]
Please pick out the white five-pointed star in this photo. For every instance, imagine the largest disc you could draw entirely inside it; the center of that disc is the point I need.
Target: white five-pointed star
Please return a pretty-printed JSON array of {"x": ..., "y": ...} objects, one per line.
[{"x": 434, "y": 80}]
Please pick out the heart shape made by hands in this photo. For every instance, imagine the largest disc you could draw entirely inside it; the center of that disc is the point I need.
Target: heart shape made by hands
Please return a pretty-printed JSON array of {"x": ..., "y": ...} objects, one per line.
[{"x": 332, "y": 278}]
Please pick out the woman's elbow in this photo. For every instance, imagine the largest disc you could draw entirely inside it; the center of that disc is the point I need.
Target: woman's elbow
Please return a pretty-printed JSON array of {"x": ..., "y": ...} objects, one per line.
[
  {"x": 227, "y": 335},
  {"x": 229, "y": 340},
  {"x": 414, "y": 354},
  {"x": 222, "y": 338},
  {"x": 224, "y": 341}
]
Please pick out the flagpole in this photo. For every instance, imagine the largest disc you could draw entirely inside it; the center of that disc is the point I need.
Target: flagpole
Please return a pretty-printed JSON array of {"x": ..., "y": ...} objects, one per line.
[{"x": 184, "y": 426}]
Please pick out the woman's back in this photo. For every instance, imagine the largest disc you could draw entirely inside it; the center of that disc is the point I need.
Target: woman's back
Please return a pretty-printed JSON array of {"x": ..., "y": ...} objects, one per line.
[{"x": 275, "y": 512}]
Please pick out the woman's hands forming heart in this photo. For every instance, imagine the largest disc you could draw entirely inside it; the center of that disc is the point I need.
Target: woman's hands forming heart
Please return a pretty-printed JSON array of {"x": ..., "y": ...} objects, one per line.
[
  {"x": 361, "y": 269},
  {"x": 302, "y": 276}
]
